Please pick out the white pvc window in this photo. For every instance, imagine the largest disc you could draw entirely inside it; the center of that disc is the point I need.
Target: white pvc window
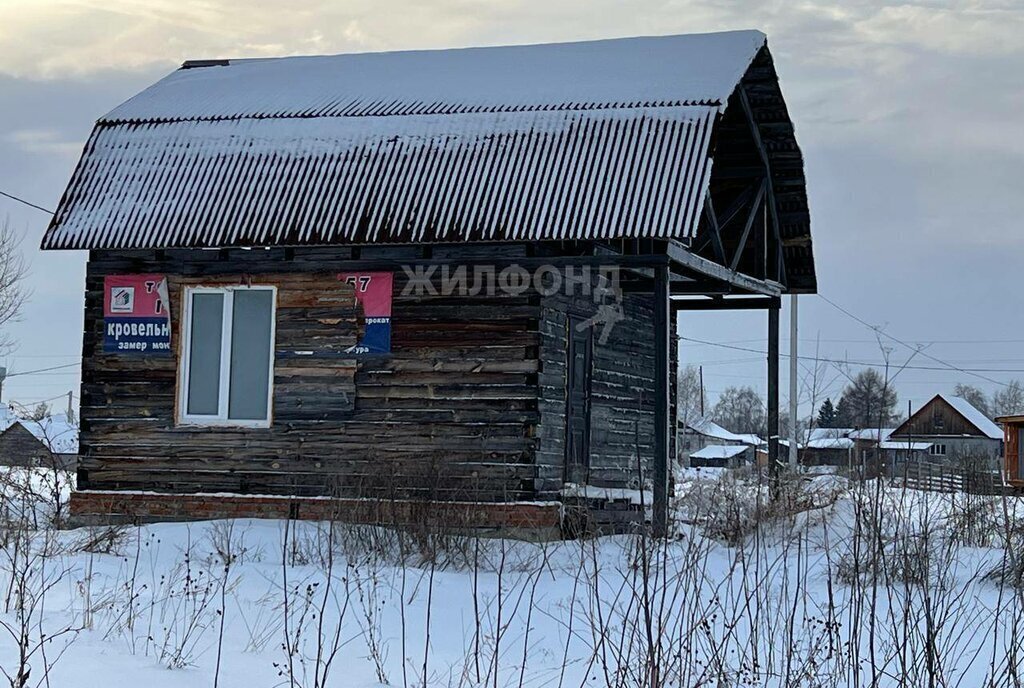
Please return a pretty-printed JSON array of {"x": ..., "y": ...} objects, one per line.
[{"x": 227, "y": 361}]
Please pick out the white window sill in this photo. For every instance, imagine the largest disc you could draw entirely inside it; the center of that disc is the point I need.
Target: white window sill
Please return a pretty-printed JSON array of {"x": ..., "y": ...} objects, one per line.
[{"x": 221, "y": 423}]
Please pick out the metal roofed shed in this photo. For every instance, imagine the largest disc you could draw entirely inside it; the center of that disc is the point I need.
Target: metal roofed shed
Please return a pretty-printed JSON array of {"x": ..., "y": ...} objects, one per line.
[
  {"x": 364, "y": 213},
  {"x": 709, "y": 428},
  {"x": 719, "y": 451},
  {"x": 722, "y": 456}
]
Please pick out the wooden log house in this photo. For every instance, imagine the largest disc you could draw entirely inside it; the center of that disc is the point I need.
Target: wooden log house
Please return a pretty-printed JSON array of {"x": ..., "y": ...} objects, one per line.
[{"x": 305, "y": 287}]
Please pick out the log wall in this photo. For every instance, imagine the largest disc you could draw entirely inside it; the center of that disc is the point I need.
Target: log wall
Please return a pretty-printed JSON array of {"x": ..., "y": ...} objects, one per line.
[
  {"x": 450, "y": 413},
  {"x": 621, "y": 393},
  {"x": 470, "y": 404}
]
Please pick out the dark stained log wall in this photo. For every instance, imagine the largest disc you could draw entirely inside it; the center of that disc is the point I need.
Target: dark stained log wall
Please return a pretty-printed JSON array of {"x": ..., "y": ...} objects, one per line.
[
  {"x": 622, "y": 394},
  {"x": 451, "y": 413}
]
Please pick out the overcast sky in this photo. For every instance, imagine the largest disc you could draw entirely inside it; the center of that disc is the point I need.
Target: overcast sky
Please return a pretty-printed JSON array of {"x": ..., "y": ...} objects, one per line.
[{"x": 909, "y": 116}]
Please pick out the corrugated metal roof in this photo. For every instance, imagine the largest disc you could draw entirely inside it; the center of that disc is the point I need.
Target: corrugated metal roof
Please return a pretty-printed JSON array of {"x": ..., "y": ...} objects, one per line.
[
  {"x": 691, "y": 69},
  {"x": 603, "y": 139},
  {"x": 487, "y": 176}
]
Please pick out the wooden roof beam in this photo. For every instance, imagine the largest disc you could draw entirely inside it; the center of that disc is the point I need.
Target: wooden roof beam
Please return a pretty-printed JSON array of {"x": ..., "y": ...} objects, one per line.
[{"x": 694, "y": 264}]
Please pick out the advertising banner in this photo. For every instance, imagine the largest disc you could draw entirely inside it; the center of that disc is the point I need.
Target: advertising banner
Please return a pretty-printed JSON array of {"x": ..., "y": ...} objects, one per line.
[
  {"x": 373, "y": 294},
  {"x": 136, "y": 316}
]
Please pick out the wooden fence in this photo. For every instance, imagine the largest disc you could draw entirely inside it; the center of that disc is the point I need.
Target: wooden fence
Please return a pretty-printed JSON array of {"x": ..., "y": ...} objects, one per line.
[{"x": 936, "y": 478}]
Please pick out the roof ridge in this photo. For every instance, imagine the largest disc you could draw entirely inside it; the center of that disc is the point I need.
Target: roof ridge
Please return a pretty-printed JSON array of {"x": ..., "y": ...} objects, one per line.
[{"x": 453, "y": 109}]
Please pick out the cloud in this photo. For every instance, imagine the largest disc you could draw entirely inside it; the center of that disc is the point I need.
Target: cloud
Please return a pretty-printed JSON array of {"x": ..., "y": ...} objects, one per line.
[
  {"x": 57, "y": 38},
  {"x": 45, "y": 141},
  {"x": 965, "y": 28}
]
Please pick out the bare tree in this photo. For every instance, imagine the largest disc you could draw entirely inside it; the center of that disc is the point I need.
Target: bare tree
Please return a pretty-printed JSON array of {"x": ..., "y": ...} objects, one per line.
[
  {"x": 1009, "y": 400},
  {"x": 974, "y": 396},
  {"x": 740, "y": 409},
  {"x": 868, "y": 399},
  {"x": 40, "y": 412},
  {"x": 13, "y": 270},
  {"x": 689, "y": 395}
]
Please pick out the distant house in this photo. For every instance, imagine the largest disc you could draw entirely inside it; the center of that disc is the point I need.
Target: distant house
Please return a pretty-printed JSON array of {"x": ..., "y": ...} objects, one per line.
[
  {"x": 51, "y": 441},
  {"x": 828, "y": 447},
  {"x": 871, "y": 448},
  {"x": 704, "y": 434},
  {"x": 957, "y": 432}
]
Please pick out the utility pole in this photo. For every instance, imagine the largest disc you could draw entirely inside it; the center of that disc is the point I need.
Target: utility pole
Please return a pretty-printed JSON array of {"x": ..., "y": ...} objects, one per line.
[
  {"x": 792, "y": 380},
  {"x": 70, "y": 411},
  {"x": 3, "y": 376},
  {"x": 700, "y": 371}
]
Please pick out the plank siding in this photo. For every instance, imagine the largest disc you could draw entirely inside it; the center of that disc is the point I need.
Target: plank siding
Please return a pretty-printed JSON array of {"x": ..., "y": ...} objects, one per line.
[
  {"x": 451, "y": 413},
  {"x": 936, "y": 418},
  {"x": 621, "y": 394},
  {"x": 19, "y": 447}
]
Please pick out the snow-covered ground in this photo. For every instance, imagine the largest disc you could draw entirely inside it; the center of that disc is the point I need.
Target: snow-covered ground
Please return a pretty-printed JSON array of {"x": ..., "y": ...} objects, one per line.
[{"x": 841, "y": 581}]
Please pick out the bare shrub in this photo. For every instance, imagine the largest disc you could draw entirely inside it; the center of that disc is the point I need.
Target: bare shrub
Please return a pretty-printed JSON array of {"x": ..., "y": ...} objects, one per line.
[
  {"x": 907, "y": 560},
  {"x": 231, "y": 544},
  {"x": 32, "y": 569},
  {"x": 104, "y": 540},
  {"x": 184, "y": 602},
  {"x": 369, "y": 587},
  {"x": 974, "y": 520},
  {"x": 735, "y": 505},
  {"x": 313, "y": 608}
]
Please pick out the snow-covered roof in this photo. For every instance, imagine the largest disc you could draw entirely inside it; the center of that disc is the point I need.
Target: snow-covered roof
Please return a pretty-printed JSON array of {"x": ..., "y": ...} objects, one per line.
[
  {"x": 830, "y": 443},
  {"x": 593, "y": 140},
  {"x": 975, "y": 417},
  {"x": 54, "y": 431},
  {"x": 624, "y": 72},
  {"x": 873, "y": 434},
  {"x": 751, "y": 439},
  {"x": 828, "y": 433},
  {"x": 718, "y": 451},
  {"x": 465, "y": 176},
  {"x": 709, "y": 428}
]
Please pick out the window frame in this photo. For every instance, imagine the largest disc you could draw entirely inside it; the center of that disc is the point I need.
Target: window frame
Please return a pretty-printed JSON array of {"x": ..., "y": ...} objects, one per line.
[
  {"x": 224, "y": 386},
  {"x": 934, "y": 450}
]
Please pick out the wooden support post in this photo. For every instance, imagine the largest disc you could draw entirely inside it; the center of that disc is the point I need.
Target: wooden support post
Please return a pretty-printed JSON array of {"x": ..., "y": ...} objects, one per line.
[
  {"x": 794, "y": 409},
  {"x": 662, "y": 460},
  {"x": 773, "y": 394}
]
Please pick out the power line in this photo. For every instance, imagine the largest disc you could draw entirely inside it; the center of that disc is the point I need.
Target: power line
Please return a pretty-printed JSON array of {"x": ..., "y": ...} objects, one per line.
[
  {"x": 41, "y": 401},
  {"x": 918, "y": 350},
  {"x": 28, "y": 203},
  {"x": 869, "y": 364},
  {"x": 875, "y": 341},
  {"x": 43, "y": 370}
]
